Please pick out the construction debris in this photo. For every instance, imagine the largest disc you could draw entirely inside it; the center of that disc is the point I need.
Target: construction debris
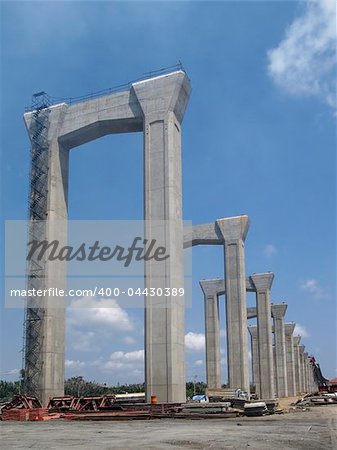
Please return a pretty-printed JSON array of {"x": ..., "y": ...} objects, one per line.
[
  {"x": 24, "y": 408},
  {"x": 256, "y": 409},
  {"x": 317, "y": 399},
  {"x": 21, "y": 401}
]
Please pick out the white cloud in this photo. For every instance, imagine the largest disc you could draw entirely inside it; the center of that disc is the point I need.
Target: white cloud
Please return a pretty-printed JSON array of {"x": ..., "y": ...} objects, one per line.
[
  {"x": 129, "y": 340},
  {"x": 303, "y": 64},
  {"x": 195, "y": 341},
  {"x": 222, "y": 333},
  {"x": 312, "y": 287},
  {"x": 270, "y": 250},
  {"x": 103, "y": 312},
  {"x": 198, "y": 362},
  {"x": 300, "y": 330},
  {"x": 136, "y": 355},
  {"x": 124, "y": 361},
  {"x": 11, "y": 372},
  {"x": 83, "y": 341},
  {"x": 74, "y": 364}
]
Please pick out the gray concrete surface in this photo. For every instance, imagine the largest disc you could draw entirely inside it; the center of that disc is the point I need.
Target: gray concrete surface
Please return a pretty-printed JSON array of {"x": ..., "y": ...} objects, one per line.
[{"x": 310, "y": 430}]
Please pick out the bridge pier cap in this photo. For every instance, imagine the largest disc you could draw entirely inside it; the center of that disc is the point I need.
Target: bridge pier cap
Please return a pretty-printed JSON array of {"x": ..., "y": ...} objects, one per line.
[{"x": 119, "y": 112}]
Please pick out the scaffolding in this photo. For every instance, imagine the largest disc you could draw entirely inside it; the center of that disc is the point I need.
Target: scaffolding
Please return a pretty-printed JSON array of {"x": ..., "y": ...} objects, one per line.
[{"x": 37, "y": 214}]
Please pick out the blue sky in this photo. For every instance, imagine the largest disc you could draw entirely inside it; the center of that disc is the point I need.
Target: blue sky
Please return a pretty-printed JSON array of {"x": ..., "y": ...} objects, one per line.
[{"x": 258, "y": 139}]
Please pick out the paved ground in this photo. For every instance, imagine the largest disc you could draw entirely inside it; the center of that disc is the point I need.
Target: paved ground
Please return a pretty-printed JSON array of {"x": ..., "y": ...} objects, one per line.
[{"x": 310, "y": 430}]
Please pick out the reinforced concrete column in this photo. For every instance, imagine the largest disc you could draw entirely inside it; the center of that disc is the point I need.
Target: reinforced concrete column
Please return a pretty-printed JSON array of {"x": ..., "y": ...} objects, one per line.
[
  {"x": 298, "y": 371},
  {"x": 50, "y": 344},
  {"x": 212, "y": 334},
  {"x": 301, "y": 351},
  {"x": 278, "y": 312},
  {"x": 255, "y": 359},
  {"x": 290, "y": 358},
  {"x": 233, "y": 231},
  {"x": 163, "y": 101},
  {"x": 263, "y": 282},
  {"x": 305, "y": 357}
]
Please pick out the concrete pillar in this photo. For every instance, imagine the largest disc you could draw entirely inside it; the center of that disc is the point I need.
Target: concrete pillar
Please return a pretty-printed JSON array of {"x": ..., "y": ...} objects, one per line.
[
  {"x": 298, "y": 370},
  {"x": 302, "y": 364},
  {"x": 290, "y": 358},
  {"x": 46, "y": 349},
  {"x": 275, "y": 375},
  {"x": 263, "y": 282},
  {"x": 212, "y": 334},
  {"x": 307, "y": 387},
  {"x": 255, "y": 359},
  {"x": 312, "y": 377},
  {"x": 278, "y": 312},
  {"x": 234, "y": 231},
  {"x": 163, "y": 101}
]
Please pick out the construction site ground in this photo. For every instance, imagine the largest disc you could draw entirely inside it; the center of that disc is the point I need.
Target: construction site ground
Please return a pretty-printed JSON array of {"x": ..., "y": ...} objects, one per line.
[{"x": 313, "y": 429}]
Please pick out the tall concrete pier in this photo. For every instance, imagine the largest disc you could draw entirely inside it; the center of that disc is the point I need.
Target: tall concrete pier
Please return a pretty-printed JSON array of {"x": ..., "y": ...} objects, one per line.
[
  {"x": 255, "y": 359},
  {"x": 263, "y": 283},
  {"x": 234, "y": 231},
  {"x": 210, "y": 289},
  {"x": 278, "y": 312},
  {"x": 306, "y": 370},
  {"x": 156, "y": 107},
  {"x": 302, "y": 365},
  {"x": 290, "y": 358},
  {"x": 298, "y": 368}
]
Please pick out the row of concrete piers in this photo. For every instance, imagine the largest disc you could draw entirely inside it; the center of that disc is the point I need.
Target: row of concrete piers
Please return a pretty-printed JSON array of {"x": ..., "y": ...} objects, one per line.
[{"x": 280, "y": 366}]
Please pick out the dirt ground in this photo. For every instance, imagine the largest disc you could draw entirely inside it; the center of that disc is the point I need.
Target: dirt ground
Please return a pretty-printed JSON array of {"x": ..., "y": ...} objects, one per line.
[{"x": 314, "y": 429}]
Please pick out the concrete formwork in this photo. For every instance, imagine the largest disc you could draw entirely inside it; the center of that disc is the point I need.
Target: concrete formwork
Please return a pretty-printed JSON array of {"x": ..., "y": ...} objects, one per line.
[{"x": 155, "y": 106}]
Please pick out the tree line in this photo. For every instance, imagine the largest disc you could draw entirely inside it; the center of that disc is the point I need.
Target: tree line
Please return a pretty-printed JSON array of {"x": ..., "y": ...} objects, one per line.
[{"x": 79, "y": 387}]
